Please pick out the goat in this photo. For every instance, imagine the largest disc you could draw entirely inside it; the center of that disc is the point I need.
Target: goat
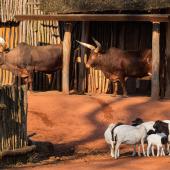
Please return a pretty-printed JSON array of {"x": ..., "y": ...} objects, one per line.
[
  {"x": 148, "y": 125},
  {"x": 157, "y": 139},
  {"x": 108, "y": 136},
  {"x": 163, "y": 127},
  {"x": 135, "y": 135}
]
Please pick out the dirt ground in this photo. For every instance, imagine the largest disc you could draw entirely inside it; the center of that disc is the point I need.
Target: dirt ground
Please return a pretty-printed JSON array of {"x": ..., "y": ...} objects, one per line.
[{"x": 75, "y": 124}]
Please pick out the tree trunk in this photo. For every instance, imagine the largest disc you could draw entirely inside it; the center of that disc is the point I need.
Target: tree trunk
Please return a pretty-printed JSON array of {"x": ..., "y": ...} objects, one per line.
[{"x": 66, "y": 58}]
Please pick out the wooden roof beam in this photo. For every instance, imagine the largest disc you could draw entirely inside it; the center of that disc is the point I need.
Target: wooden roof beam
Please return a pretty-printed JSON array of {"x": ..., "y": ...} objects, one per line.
[{"x": 97, "y": 17}]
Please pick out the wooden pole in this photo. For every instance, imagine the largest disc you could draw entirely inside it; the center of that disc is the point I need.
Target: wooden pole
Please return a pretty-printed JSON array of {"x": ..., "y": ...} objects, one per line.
[
  {"x": 167, "y": 92},
  {"x": 84, "y": 38},
  {"x": 155, "y": 60},
  {"x": 66, "y": 57}
]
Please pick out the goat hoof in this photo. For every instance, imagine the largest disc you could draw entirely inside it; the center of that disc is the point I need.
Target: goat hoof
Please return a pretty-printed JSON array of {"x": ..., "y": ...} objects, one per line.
[{"x": 112, "y": 156}]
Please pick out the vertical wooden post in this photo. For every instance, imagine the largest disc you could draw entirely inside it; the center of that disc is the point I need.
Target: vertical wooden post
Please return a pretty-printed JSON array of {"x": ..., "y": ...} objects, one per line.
[
  {"x": 167, "y": 92},
  {"x": 84, "y": 38},
  {"x": 66, "y": 57},
  {"x": 155, "y": 60}
]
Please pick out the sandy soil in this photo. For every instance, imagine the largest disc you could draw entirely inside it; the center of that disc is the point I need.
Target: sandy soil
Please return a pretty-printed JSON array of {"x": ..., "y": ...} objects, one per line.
[
  {"x": 79, "y": 121},
  {"x": 109, "y": 164}
]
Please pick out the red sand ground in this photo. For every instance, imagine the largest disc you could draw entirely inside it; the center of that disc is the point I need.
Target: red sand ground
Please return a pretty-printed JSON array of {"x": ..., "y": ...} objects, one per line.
[{"x": 80, "y": 121}]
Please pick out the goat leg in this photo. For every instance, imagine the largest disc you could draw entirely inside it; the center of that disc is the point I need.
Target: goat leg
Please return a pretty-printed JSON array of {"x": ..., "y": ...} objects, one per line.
[
  {"x": 116, "y": 150},
  {"x": 134, "y": 150},
  {"x": 142, "y": 143},
  {"x": 158, "y": 150},
  {"x": 153, "y": 154},
  {"x": 148, "y": 149}
]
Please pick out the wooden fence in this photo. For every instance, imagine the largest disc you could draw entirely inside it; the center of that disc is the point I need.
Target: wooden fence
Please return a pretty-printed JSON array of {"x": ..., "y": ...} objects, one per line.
[
  {"x": 13, "y": 118},
  {"x": 10, "y": 31},
  {"x": 6, "y": 77}
]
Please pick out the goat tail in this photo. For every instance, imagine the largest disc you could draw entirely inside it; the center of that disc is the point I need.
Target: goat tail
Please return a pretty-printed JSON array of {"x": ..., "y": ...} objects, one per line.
[
  {"x": 114, "y": 137},
  {"x": 114, "y": 141}
]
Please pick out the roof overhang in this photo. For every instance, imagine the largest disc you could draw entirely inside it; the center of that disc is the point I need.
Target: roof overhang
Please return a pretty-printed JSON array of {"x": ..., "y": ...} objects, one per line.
[{"x": 97, "y": 17}]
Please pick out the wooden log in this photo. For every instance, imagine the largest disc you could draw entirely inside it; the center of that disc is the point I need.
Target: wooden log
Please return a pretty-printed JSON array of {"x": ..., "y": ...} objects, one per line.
[
  {"x": 84, "y": 38},
  {"x": 96, "y": 79},
  {"x": 155, "y": 61},
  {"x": 94, "y": 83},
  {"x": 20, "y": 151},
  {"x": 91, "y": 80},
  {"x": 106, "y": 85},
  {"x": 103, "y": 84},
  {"x": 66, "y": 58},
  {"x": 100, "y": 81},
  {"x": 167, "y": 92},
  {"x": 75, "y": 80}
]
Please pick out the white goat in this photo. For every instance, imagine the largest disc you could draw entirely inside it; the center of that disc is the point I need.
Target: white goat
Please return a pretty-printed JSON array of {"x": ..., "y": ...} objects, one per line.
[
  {"x": 147, "y": 125},
  {"x": 127, "y": 134},
  {"x": 108, "y": 137},
  {"x": 156, "y": 139}
]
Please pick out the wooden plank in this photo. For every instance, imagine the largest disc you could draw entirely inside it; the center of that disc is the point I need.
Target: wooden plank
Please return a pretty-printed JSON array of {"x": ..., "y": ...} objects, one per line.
[
  {"x": 155, "y": 60},
  {"x": 66, "y": 58},
  {"x": 97, "y": 17}
]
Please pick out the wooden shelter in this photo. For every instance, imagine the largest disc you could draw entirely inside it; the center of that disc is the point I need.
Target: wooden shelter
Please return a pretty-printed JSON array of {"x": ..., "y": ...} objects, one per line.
[{"x": 84, "y": 16}]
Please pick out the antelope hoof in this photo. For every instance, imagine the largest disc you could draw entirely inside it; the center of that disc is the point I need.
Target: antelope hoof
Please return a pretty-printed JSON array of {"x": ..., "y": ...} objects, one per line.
[{"x": 114, "y": 95}]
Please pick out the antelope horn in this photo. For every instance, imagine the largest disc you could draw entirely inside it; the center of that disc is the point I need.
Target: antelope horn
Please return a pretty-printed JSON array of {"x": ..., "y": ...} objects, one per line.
[
  {"x": 96, "y": 42},
  {"x": 87, "y": 45}
]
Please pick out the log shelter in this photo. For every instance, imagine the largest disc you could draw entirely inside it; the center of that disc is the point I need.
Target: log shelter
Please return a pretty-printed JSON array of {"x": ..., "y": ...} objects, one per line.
[{"x": 155, "y": 19}]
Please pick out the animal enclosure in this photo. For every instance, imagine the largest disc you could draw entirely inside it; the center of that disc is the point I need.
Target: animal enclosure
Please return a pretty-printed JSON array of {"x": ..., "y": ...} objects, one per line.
[
  {"x": 37, "y": 28},
  {"x": 130, "y": 36}
]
